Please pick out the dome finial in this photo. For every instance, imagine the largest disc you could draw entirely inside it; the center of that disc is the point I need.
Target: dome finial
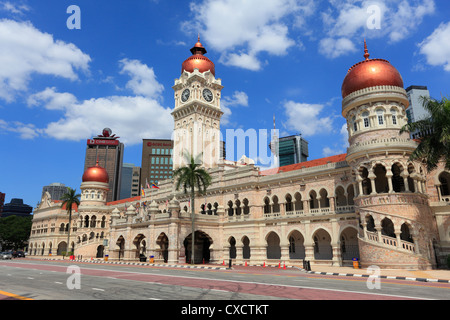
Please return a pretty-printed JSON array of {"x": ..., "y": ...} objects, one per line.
[{"x": 366, "y": 52}]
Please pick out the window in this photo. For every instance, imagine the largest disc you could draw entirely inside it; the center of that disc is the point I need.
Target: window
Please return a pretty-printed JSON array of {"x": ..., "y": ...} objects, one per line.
[
  {"x": 394, "y": 116},
  {"x": 365, "y": 116},
  {"x": 355, "y": 125},
  {"x": 380, "y": 117}
]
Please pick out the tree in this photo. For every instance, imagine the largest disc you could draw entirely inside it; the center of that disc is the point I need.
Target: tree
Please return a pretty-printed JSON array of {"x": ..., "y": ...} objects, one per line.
[
  {"x": 14, "y": 232},
  {"x": 434, "y": 133},
  {"x": 69, "y": 199},
  {"x": 192, "y": 177}
]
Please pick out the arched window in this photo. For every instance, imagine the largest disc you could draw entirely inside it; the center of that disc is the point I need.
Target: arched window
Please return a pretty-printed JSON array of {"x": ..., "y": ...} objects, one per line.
[
  {"x": 394, "y": 116},
  {"x": 444, "y": 179},
  {"x": 355, "y": 125},
  {"x": 246, "y": 207},
  {"x": 230, "y": 208},
  {"x": 365, "y": 117},
  {"x": 276, "y": 205},
  {"x": 398, "y": 183},
  {"x": 289, "y": 206},
  {"x": 380, "y": 117},
  {"x": 266, "y": 205}
]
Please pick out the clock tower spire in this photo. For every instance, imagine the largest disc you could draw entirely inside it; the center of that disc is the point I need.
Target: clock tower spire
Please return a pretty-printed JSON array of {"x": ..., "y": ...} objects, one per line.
[{"x": 197, "y": 110}]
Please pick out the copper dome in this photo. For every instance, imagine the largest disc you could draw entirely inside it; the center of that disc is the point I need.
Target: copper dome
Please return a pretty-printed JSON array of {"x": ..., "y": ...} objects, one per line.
[
  {"x": 198, "y": 60},
  {"x": 95, "y": 174},
  {"x": 370, "y": 73}
]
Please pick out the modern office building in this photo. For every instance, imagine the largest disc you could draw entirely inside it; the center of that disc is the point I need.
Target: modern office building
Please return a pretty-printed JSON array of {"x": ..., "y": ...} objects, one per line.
[
  {"x": 156, "y": 162},
  {"x": 130, "y": 182},
  {"x": 56, "y": 190},
  {"x": 416, "y": 111},
  {"x": 292, "y": 149},
  {"x": 16, "y": 208},
  {"x": 108, "y": 151}
]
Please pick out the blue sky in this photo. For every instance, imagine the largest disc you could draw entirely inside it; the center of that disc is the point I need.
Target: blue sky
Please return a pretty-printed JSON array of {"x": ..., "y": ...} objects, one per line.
[{"x": 61, "y": 86}]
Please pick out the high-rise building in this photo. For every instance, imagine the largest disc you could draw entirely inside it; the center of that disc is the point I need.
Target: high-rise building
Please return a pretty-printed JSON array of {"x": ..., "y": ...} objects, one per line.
[
  {"x": 108, "y": 151},
  {"x": 56, "y": 190},
  {"x": 291, "y": 149},
  {"x": 156, "y": 162},
  {"x": 416, "y": 111},
  {"x": 16, "y": 208},
  {"x": 130, "y": 181}
]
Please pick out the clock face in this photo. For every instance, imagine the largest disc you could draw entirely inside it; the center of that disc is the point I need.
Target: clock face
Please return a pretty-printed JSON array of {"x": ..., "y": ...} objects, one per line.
[
  {"x": 207, "y": 94},
  {"x": 185, "y": 95}
]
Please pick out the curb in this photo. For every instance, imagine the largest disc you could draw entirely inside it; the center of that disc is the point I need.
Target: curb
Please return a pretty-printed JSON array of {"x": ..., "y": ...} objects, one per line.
[
  {"x": 144, "y": 264},
  {"x": 373, "y": 276},
  {"x": 353, "y": 274}
]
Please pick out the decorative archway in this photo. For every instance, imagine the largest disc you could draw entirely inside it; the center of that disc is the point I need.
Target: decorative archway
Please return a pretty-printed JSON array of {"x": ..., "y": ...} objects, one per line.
[
  {"x": 273, "y": 246},
  {"x": 296, "y": 245},
  {"x": 163, "y": 243},
  {"x": 202, "y": 243},
  {"x": 322, "y": 245}
]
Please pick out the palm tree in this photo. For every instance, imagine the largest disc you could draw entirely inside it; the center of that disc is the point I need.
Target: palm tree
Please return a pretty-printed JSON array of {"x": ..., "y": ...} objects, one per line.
[
  {"x": 69, "y": 199},
  {"x": 434, "y": 133},
  {"x": 190, "y": 177}
]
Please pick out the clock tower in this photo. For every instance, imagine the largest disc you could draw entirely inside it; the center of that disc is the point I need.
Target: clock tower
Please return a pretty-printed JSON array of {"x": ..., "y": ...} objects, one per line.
[{"x": 197, "y": 111}]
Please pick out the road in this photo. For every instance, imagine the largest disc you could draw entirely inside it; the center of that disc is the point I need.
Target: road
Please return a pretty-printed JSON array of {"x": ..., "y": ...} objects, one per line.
[{"x": 64, "y": 280}]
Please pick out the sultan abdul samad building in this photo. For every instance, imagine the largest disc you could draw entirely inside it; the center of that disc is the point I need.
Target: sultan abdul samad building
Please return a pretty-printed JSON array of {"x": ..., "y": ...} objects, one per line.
[{"x": 371, "y": 203}]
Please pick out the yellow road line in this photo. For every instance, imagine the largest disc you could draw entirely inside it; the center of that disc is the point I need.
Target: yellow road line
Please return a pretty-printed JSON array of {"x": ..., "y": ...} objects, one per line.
[{"x": 14, "y": 295}]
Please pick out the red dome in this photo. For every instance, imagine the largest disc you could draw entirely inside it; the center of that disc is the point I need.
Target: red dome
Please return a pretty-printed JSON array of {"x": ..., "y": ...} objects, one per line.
[
  {"x": 370, "y": 73},
  {"x": 95, "y": 174},
  {"x": 198, "y": 60}
]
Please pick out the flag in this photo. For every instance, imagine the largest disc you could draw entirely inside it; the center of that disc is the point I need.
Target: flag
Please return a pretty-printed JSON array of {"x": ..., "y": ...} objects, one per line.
[
  {"x": 142, "y": 191},
  {"x": 154, "y": 186}
]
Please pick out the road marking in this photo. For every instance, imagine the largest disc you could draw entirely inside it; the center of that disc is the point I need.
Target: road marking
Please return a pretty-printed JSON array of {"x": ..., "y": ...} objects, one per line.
[
  {"x": 30, "y": 278},
  {"x": 9, "y": 294},
  {"x": 58, "y": 282},
  {"x": 98, "y": 289}
]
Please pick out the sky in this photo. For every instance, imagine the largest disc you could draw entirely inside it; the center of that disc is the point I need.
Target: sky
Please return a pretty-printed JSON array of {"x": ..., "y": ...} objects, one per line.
[{"x": 68, "y": 69}]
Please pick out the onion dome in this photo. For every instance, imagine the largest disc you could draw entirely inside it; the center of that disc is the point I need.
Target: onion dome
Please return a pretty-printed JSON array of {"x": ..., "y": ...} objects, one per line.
[
  {"x": 370, "y": 73},
  {"x": 95, "y": 174},
  {"x": 198, "y": 60}
]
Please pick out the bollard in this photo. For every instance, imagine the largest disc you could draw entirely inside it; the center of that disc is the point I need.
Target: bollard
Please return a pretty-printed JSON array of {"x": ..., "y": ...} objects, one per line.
[
  {"x": 308, "y": 266},
  {"x": 229, "y": 264}
]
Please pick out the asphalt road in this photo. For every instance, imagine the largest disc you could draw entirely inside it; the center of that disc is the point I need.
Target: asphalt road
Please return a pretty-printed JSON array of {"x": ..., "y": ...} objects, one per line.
[{"x": 64, "y": 280}]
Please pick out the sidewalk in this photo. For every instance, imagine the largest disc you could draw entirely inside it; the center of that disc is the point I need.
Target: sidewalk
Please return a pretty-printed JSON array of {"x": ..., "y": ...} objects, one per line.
[
  {"x": 400, "y": 274},
  {"x": 417, "y": 275}
]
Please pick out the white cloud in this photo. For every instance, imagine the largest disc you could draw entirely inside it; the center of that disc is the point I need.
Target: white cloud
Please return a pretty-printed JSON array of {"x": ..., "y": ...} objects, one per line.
[
  {"x": 16, "y": 9},
  {"x": 27, "y": 51},
  {"x": 131, "y": 118},
  {"x": 51, "y": 99},
  {"x": 333, "y": 48},
  {"x": 25, "y": 131},
  {"x": 436, "y": 47},
  {"x": 305, "y": 118},
  {"x": 347, "y": 19},
  {"x": 143, "y": 79},
  {"x": 242, "y": 30}
]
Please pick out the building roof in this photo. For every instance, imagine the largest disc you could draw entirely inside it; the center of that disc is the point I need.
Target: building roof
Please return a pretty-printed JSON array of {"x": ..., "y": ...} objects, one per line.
[
  {"x": 306, "y": 164},
  {"x": 132, "y": 199}
]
